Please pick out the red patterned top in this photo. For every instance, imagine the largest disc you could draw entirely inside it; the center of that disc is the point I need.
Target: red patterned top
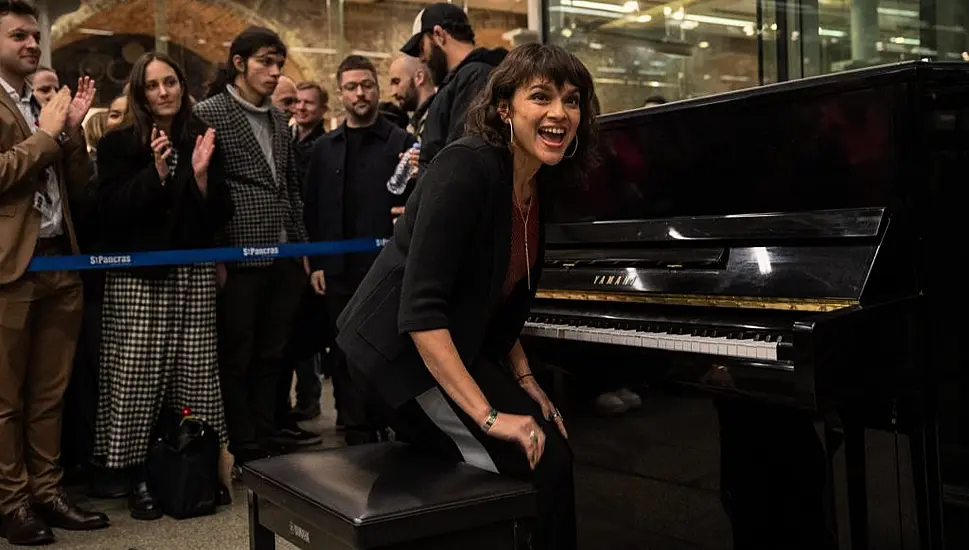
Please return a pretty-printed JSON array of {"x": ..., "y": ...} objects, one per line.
[{"x": 517, "y": 269}]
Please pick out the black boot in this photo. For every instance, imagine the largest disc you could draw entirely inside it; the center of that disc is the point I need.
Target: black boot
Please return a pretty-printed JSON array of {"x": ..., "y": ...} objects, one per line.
[{"x": 141, "y": 502}]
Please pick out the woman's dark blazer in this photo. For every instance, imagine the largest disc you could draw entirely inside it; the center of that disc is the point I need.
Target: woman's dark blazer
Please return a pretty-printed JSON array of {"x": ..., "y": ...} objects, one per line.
[
  {"x": 444, "y": 268},
  {"x": 137, "y": 213}
]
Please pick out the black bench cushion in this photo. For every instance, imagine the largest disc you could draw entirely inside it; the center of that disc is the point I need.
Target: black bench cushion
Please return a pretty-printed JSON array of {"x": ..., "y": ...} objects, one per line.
[{"x": 386, "y": 493}]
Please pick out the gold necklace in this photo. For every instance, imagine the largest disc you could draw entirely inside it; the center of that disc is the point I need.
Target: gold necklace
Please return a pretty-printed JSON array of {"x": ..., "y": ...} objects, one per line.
[{"x": 528, "y": 263}]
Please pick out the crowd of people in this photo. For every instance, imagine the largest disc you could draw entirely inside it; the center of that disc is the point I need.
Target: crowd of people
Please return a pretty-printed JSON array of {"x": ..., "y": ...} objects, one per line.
[{"x": 425, "y": 327}]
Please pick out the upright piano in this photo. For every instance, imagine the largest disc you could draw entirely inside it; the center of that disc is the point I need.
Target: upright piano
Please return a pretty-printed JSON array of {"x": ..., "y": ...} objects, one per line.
[{"x": 796, "y": 245}]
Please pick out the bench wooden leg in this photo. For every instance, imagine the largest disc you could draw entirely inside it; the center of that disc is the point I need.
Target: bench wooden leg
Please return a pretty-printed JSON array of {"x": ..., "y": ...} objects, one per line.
[{"x": 260, "y": 538}]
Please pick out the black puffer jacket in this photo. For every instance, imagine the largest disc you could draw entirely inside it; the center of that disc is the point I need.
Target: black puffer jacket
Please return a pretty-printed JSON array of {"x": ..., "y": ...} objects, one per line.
[{"x": 445, "y": 116}]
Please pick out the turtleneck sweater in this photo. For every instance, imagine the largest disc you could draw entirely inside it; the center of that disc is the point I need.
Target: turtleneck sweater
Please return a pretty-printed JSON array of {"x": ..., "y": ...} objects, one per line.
[{"x": 261, "y": 123}]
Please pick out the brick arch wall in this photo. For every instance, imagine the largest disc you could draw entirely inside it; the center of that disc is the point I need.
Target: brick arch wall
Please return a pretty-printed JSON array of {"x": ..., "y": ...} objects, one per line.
[
  {"x": 380, "y": 28},
  {"x": 104, "y": 59},
  {"x": 203, "y": 26}
]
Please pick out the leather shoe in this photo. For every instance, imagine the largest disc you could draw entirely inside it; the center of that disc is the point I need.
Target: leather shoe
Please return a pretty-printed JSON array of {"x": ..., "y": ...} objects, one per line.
[
  {"x": 22, "y": 527},
  {"x": 60, "y": 512},
  {"x": 142, "y": 503}
]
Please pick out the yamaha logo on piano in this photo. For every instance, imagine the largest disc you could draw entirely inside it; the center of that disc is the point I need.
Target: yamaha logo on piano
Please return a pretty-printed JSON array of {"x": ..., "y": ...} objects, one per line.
[
  {"x": 614, "y": 280},
  {"x": 299, "y": 532}
]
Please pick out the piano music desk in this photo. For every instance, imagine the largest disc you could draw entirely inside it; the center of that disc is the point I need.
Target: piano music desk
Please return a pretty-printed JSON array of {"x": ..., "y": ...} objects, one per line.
[{"x": 386, "y": 496}]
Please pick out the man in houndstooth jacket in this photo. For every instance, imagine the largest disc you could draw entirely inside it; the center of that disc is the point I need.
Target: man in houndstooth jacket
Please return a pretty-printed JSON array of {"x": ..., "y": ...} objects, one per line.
[{"x": 259, "y": 298}]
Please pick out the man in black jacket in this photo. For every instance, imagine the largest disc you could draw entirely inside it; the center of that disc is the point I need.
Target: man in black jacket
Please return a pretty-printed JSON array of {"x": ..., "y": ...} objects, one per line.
[
  {"x": 444, "y": 40},
  {"x": 346, "y": 197},
  {"x": 311, "y": 107},
  {"x": 311, "y": 331}
]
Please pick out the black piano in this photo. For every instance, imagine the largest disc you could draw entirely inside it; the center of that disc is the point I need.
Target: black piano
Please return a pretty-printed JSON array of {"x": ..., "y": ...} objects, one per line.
[{"x": 794, "y": 247}]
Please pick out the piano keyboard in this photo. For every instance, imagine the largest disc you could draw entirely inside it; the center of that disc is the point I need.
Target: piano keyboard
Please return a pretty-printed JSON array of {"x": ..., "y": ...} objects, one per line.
[{"x": 726, "y": 344}]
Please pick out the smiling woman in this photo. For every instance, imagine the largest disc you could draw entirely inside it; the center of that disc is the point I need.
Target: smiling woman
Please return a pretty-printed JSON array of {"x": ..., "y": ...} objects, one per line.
[
  {"x": 546, "y": 93},
  {"x": 161, "y": 187},
  {"x": 432, "y": 331}
]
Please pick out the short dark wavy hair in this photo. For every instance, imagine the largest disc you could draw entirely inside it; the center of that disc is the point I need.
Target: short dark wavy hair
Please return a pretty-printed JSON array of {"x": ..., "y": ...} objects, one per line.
[{"x": 519, "y": 68}]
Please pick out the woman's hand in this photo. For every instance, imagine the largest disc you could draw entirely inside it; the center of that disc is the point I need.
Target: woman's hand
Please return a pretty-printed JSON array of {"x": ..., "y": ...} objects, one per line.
[
  {"x": 524, "y": 431},
  {"x": 201, "y": 157},
  {"x": 531, "y": 387},
  {"x": 161, "y": 149}
]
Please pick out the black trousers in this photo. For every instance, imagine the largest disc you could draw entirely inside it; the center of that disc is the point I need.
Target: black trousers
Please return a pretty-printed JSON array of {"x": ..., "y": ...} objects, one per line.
[
  {"x": 437, "y": 424},
  {"x": 353, "y": 404},
  {"x": 257, "y": 308},
  {"x": 773, "y": 475},
  {"x": 310, "y": 336}
]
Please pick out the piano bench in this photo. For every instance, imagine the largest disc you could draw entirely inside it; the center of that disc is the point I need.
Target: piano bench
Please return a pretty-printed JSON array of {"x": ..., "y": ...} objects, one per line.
[{"x": 387, "y": 496}]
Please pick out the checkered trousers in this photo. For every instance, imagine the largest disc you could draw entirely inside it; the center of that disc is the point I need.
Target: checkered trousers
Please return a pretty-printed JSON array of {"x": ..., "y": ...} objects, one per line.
[{"x": 159, "y": 349}]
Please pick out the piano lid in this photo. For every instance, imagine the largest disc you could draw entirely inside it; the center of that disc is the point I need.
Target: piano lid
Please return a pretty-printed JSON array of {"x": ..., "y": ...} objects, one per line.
[
  {"x": 830, "y": 142},
  {"x": 778, "y": 197},
  {"x": 696, "y": 230}
]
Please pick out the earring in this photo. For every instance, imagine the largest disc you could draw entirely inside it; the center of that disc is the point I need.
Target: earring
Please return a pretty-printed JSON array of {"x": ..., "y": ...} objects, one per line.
[
  {"x": 511, "y": 136},
  {"x": 574, "y": 149}
]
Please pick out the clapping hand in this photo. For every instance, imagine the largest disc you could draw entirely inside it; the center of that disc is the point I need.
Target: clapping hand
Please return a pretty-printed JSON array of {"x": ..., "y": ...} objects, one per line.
[
  {"x": 161, "y": 149},
  {"x": 54, "y": 114},
  {"x": 81, "y": 103},
  {"x": 201, "y": 157}
]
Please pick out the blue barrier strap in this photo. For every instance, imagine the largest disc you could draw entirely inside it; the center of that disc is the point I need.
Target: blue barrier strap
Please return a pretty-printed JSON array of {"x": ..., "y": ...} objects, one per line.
[{"x": 186, "y": 257}]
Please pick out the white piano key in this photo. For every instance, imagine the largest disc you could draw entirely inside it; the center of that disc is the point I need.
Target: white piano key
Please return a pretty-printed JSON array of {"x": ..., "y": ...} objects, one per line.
[{"x": 719, "y": 346}]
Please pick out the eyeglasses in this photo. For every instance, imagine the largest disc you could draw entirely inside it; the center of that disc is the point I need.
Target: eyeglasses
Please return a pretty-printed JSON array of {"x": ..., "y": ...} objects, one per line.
[{"x": 367, "y": 86}]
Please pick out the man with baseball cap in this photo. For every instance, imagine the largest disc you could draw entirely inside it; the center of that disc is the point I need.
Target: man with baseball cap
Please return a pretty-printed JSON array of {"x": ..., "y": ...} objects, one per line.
[{"x": 444, "y": 40}]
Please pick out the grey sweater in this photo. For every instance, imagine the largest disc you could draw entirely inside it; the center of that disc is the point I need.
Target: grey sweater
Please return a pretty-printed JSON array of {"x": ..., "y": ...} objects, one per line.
[
  {"x": 261, "y": 124},
  {"x": 260, "y": 120}
]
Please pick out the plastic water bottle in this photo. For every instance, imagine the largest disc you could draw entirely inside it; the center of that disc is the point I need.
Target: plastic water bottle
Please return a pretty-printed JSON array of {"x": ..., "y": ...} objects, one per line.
[{"x": 398, "y": 182}]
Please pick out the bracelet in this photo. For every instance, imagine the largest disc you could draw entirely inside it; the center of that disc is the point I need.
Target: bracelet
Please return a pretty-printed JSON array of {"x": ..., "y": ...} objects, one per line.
[
  {"x": 490, "y": 421},
  {"x": 524, "y": 376}
]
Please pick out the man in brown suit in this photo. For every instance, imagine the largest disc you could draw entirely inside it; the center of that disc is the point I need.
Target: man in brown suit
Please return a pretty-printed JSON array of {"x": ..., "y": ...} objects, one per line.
[{"x": 42, "y": 157}]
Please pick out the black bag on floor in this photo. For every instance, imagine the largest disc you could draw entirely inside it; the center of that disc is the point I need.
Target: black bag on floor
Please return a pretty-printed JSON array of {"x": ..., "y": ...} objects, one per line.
[{"x": 183, "y": 466}]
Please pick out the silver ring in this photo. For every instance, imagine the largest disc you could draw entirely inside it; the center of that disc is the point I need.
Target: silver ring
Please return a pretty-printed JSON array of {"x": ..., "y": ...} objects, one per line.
[
  {"x": 533, "y": 436},
  {"x": 557, "y": 414}
]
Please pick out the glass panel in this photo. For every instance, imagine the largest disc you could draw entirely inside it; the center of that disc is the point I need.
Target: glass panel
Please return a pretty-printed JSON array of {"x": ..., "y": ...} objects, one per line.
[
  {"x": 859, "y": 33},
  {"x": 676, "y": 50}
]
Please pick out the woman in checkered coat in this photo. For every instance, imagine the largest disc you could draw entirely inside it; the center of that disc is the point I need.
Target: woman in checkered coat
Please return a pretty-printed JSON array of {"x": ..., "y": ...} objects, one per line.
[{"x": 161, "y": 188}]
